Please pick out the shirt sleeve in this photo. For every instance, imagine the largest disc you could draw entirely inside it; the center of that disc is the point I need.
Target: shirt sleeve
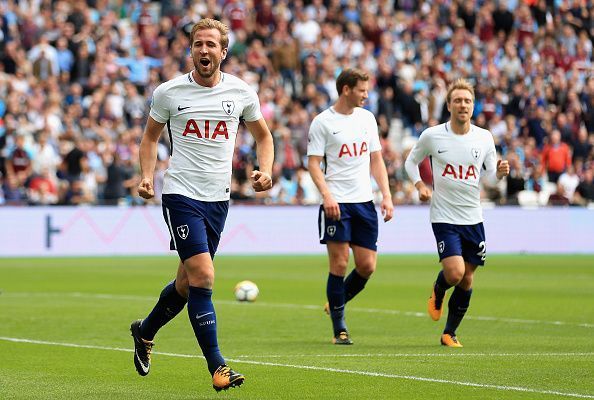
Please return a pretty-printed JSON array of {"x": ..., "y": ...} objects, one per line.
[
  {"x": 251, "y": 111},
  {"x": 160, "y": 105},
  {"x": 374, "y": 141},
  {"x": 490, "y": 162},
  {"x": 418, "y": 153},
  {"x": 316, "y": 142}
]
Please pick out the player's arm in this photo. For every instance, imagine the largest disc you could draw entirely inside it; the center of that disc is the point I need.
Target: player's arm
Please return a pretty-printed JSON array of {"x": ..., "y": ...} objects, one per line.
[
  {"x": 380, "y": 174},
  {"x": 495, "y": 168},
  {"x": 331, "y": 208},
  {"x": 416, "y": 155},
  {"x": 262, "y": 179},
  {"x": 148, "y": 157}
]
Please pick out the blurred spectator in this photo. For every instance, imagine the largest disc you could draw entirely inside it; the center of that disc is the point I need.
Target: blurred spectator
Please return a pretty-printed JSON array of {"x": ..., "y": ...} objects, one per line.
[
  {"x": 76, "y": 81},
  {"x": 584, "y": 193},
  {"x": 556, "y": 157},
  {"x": 42, "y": 189},
  {"x": 18, "y": 164}
]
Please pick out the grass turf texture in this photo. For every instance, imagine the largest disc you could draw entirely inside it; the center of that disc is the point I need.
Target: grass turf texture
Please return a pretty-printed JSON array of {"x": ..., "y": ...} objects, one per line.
[{"x": 529, "y": 333}]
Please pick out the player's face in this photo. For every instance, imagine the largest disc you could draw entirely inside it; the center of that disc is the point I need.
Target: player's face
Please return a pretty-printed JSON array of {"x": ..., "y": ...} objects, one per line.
[
  {"x": 461, "y": 106},
  {"x": 207, "y": 52},
  {"x": 358, "y": 94}
]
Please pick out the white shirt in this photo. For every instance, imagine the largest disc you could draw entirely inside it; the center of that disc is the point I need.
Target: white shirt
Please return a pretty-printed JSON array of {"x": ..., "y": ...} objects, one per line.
[
  {"x": 345, "y": 142},
  {"x": 202, "y": 124},
  {"x": 457, "y": 162}
]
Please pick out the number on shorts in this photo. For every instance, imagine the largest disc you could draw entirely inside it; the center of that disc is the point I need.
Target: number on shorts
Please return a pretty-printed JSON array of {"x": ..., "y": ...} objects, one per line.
[{"x": 483, "y": 252}]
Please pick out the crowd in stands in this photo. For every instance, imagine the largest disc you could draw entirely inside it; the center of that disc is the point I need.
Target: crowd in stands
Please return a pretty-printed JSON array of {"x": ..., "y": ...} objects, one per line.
[{"x": 76, "y": 79}]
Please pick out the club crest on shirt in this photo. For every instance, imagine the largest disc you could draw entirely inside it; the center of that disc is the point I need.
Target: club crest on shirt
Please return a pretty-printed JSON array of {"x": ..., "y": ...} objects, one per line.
[
  {"x": 331, "y": 230},
  {"x": 476, "y": 153},
  {"x": 228, "y": 106},
  {"x": 441, "y": 246},
  {"x": 183, "y": 231}
]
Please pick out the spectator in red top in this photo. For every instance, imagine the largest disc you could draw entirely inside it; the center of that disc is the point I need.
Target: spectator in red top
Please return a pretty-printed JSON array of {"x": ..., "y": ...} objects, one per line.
[{"x": 556, "y": 156}]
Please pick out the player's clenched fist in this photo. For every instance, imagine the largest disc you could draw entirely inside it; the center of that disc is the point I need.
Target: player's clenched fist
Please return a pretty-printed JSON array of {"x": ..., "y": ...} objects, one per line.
[
  {"x": 502, "y": 168},
  {"x": 262, "y": 181},
  {"x": 424, "y": 191},
  {"x": 145, "y": 189}
]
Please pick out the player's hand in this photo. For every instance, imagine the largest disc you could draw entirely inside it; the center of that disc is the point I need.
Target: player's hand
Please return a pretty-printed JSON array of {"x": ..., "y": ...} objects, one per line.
[
  {"x": 261, "y": 181},
  {"x": 502, "y": 168},
  {"x": 331, "y": 208},
  {"x": 424, "y": 191},
  {"x": 145, "y": 189},
  {"x": 387, "y": 208}
]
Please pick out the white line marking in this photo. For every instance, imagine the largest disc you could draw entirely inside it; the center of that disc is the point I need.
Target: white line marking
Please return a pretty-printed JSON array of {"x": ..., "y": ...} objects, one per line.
[
  {"x": 326, "y": 369},
  {"x": 297, "y": 306},
  {"x": 404, "y": 355}
]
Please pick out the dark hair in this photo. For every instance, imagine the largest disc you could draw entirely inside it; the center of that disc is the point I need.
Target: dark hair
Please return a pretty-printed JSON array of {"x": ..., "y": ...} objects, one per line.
[{"x": 350, "y": 77}]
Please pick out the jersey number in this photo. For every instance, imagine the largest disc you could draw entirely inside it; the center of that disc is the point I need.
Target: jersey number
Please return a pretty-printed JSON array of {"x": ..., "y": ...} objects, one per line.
[{"x": 483, "y": 252}]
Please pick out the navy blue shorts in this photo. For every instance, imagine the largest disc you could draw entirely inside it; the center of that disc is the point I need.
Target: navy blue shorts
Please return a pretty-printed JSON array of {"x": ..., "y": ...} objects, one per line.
[
  {"x": 357, "y": 225},
  {"x": 194, "y": 226},
  {"x": 467, "y": 241}
]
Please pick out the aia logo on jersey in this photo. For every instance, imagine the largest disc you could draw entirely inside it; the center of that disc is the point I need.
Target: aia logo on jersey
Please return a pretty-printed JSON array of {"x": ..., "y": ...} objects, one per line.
[
  {"x": 228, "y": 106},
  {"x": 460, "y": 172},
  {"x": 353, "y": 150},
  {"x": 183, "y": 231},
  {"x": 193, "y": 129}
]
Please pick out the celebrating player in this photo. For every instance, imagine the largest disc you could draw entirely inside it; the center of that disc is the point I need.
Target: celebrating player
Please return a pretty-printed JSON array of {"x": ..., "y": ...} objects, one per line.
[
  {"x": 202, "y": 110},
  {"x": 459, "y": 152},
  {"x": 345, "y": 137}
]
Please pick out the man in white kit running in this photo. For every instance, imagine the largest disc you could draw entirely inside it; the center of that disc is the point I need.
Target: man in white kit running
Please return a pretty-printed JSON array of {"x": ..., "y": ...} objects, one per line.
[
  {"x": 460, "y": 153},
  {"x": 202, "y": 110},
  {"x": 345, "y": 137}
]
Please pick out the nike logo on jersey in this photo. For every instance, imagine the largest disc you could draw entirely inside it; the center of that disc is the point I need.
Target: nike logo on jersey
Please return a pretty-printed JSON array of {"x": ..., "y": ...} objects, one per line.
[
  {"x": 203, "y": 315},
  {"x": 336, "y": 133},
  {"x": 180, "y": 108},
  {"x": 441, "y": 151}
]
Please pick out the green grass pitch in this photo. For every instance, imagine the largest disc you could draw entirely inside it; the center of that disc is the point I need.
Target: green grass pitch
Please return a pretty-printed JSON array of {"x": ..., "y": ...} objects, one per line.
[{"x": 529, "y": 333}]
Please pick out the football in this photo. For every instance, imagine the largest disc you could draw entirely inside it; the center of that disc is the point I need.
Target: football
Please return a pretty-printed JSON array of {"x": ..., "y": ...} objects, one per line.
[{"x": 246, "y": 291}]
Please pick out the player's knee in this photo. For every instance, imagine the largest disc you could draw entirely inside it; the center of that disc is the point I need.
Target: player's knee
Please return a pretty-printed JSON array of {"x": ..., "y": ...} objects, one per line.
[
  {"x": 366, "y": 269},
  {"x": 454, "y": 277}
]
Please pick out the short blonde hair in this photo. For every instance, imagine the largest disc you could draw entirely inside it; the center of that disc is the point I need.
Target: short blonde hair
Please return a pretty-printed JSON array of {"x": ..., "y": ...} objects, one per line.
[
  {"x": 209, "y": 23},
  {"x": 462, "y": 84}
]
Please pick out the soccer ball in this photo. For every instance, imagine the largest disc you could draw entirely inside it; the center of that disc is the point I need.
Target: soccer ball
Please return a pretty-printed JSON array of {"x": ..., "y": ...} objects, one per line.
[{"x": 246, "y": 291}]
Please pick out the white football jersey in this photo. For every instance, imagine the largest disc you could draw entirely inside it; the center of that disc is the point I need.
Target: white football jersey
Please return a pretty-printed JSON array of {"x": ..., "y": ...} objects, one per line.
[
  {"x": 345, "y": 142},
  {"x": 202, "y": 124},
  {"x": 457, "y": 162}
]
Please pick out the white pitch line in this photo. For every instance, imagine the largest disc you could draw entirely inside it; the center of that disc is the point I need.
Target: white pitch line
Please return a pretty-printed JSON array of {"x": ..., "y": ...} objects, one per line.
[
  {"x": 325, "y": 369},
  {"x": 412, "y": 355},
  {"x": 298, "y": 306}
]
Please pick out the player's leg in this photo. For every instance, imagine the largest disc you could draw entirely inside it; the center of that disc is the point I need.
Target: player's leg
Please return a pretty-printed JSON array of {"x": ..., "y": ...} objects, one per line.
[
  {"x": 364, "y": 233},
  {"x": 338, "y": 256},
  {"x": 336, "y": 235},
  {"x": 474, "y": 254},
  {"x": 365, "y": 263},
  {"x": 172, "y": 300},
  {"x": 449, "y": 247},
  {"x": 459, "y": 303}
]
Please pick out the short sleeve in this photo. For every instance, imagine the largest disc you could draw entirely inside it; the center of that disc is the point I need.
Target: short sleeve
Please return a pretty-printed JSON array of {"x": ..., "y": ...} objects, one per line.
[
  {"x": 251, "y": 111},
  {"x": 316, "y": 143},
  {"x": 160, "y": 105},
  {"x": 374, "y": 141}
]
